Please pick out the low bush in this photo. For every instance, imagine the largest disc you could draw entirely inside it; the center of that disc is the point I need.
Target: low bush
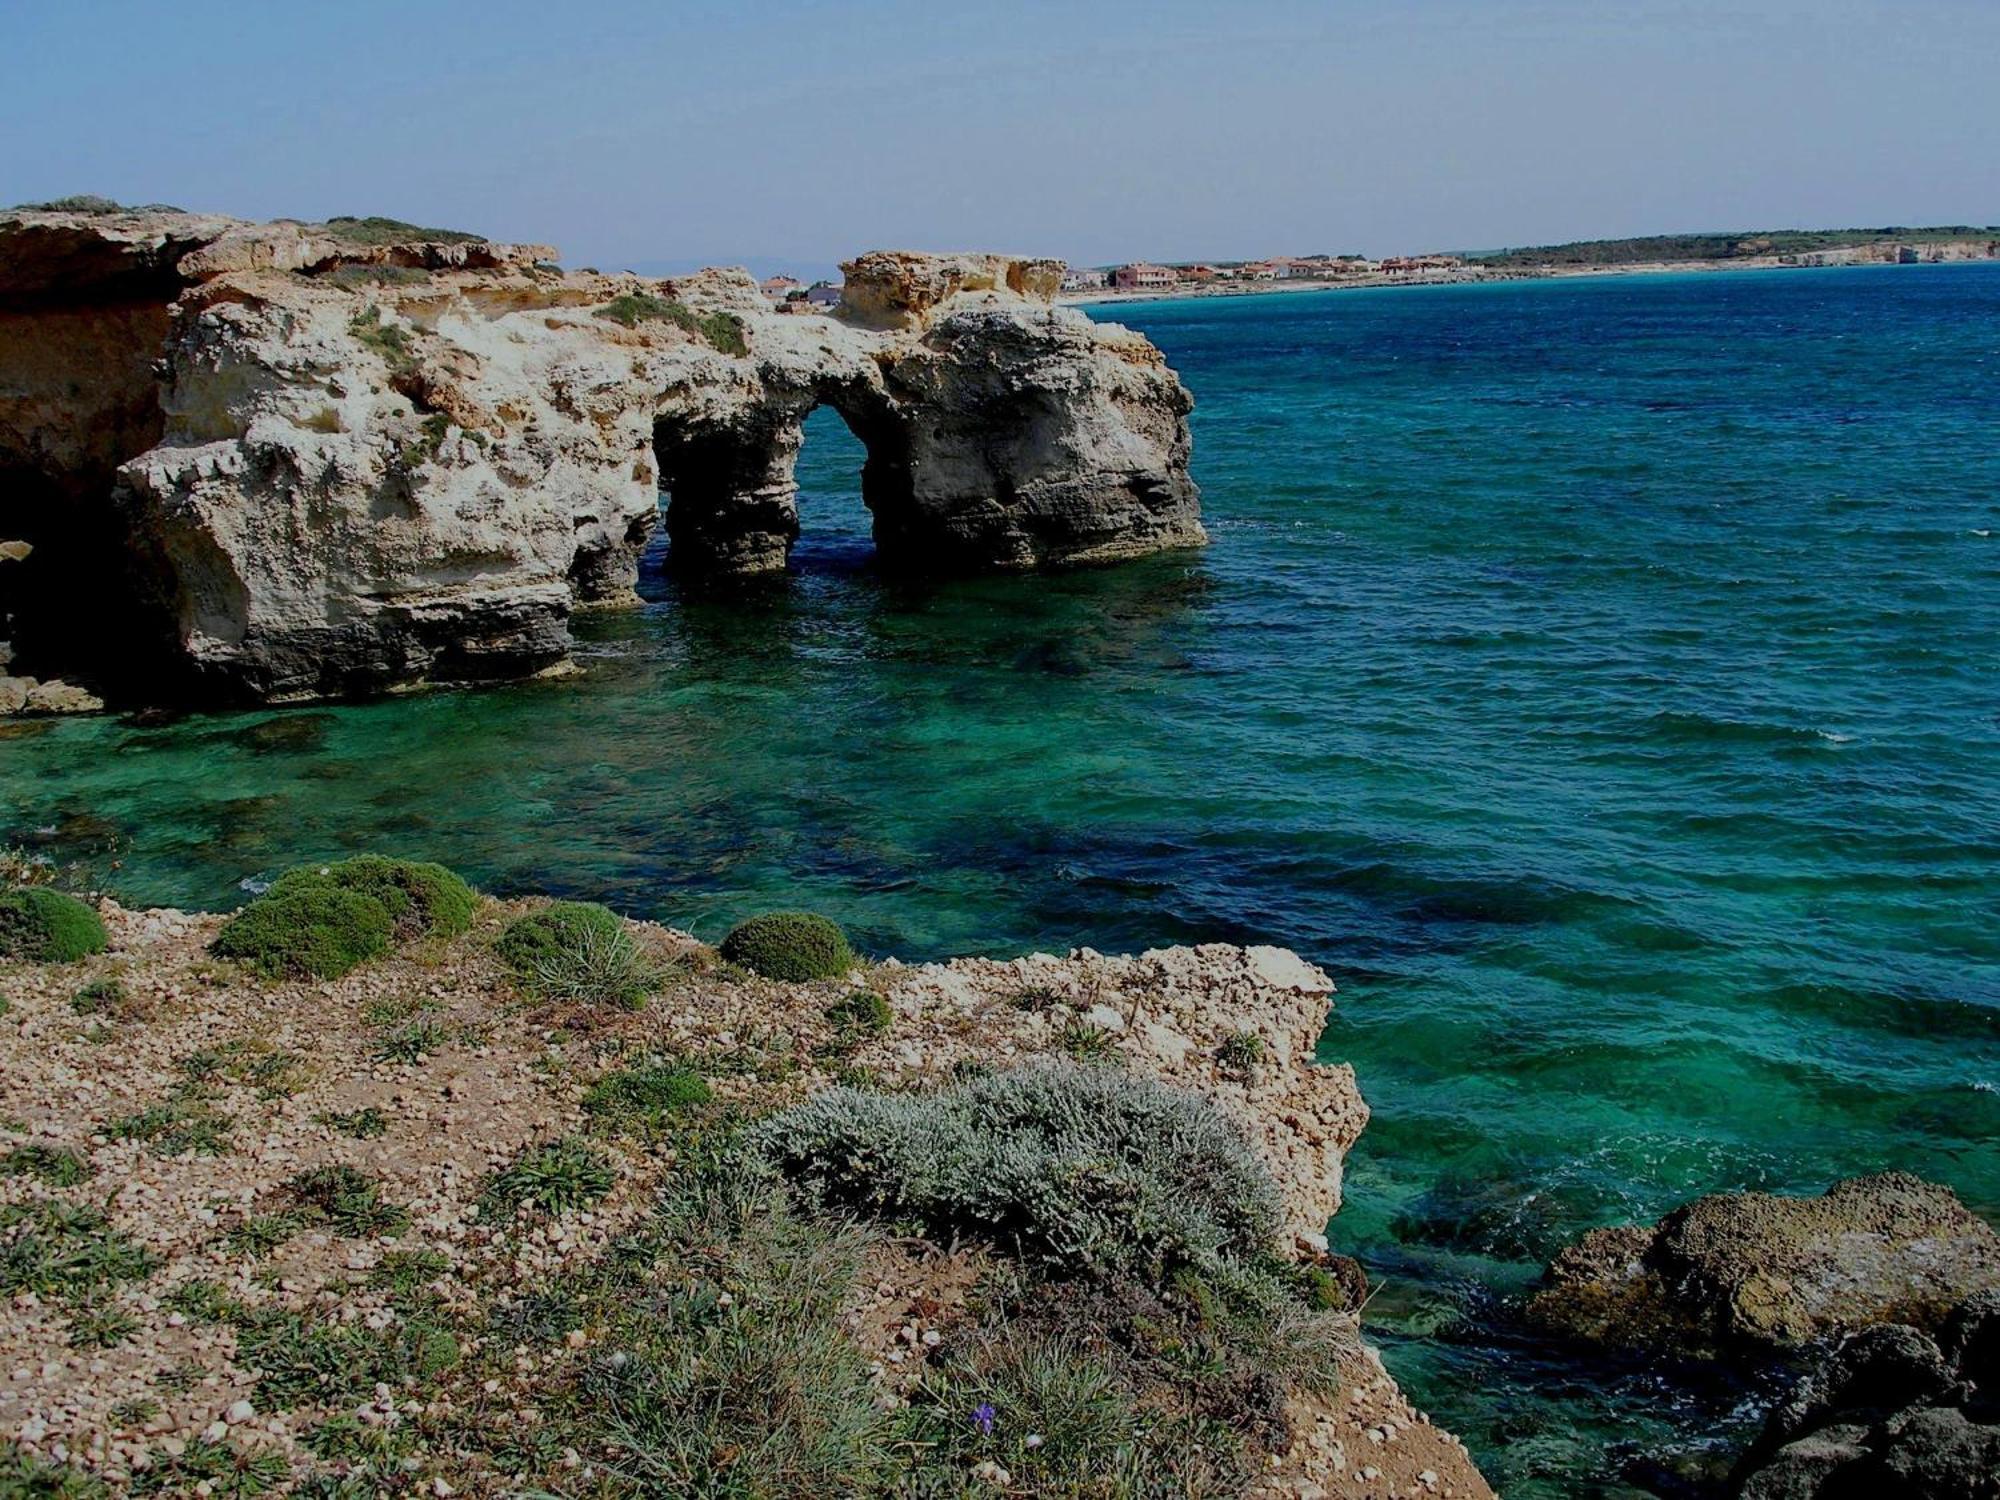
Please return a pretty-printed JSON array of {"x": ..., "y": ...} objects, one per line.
[
  {"x": 423, "y": 899},
  {"x": 723, "y": 1365},
  {"x": 863, "y": 1013},
  {"x": 580, "y": 952},
  {"x": 348, "y": 1201},
  {"x": 45, "y": 926},
  {"x": 320, "y": 921},
  {"x": 59, "y": 1249},
  {"x": 312, "y": 931},
  {"x": 790, "y": 945},
  {"x": 56, "y": 1165},
  {"x": 1075, "y": 1169}
]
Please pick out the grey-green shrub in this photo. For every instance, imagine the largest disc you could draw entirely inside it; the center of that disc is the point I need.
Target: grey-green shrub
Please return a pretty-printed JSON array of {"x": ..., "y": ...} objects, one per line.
[
  {"x": 45, "y": 926},
  {"x": 1076, "y": 1169},
  {"x": 794, "y": 946}
]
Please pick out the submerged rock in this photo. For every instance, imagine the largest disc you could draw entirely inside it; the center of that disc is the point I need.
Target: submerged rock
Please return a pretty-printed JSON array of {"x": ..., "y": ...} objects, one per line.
[
  {"x": 1890, "y": 1412},
  {"x": 1757, "y": 1272},
  {"x": 281, "y": 461}
]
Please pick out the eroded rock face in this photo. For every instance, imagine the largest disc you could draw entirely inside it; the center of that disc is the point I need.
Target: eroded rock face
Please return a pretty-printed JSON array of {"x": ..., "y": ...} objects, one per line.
[
  {"x": 315, "y": 466},
  {"x": 1890, "y": 1412},
  {"x": 1755, "y": 1272}
]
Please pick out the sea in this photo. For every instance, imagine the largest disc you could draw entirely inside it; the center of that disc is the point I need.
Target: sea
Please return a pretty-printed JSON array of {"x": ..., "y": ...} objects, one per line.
[{"x": 1599, "y": 678}]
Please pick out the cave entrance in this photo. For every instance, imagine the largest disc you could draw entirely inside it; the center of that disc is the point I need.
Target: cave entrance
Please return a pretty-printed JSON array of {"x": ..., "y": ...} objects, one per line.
[{"x": 732, "y": 485}]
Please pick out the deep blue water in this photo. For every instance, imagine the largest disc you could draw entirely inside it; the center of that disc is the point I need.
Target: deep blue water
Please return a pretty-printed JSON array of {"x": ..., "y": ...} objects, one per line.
[{"x": 1598, "y": 678}]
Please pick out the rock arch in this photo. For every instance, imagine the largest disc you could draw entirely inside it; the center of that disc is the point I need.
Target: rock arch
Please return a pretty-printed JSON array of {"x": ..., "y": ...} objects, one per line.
[{"x": 372, "y": 464}]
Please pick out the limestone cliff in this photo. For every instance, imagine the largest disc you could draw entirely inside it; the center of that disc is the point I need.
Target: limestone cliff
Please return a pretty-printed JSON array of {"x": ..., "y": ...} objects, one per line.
[{"x": 283, "y": 461}]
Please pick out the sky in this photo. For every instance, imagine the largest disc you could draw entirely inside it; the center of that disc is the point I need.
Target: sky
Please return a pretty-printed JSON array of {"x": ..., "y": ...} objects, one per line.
[{"x": 788, "y": 135}]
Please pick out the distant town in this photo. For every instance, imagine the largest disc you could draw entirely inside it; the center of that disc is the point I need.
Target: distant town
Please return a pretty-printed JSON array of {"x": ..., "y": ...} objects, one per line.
[{"x": 1775, "y": 249}]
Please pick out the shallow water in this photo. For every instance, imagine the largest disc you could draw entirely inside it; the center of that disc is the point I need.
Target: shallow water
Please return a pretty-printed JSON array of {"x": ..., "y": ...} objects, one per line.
[{"x": 1598, "y": 678}]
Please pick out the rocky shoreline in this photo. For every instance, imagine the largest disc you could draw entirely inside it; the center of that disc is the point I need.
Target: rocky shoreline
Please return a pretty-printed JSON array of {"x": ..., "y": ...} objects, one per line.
[{"x": 429, "y": 1070}]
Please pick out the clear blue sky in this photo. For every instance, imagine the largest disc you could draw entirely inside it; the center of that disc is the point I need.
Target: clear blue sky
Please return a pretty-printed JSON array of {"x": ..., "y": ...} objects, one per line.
[{"x": 772, "y": 132}]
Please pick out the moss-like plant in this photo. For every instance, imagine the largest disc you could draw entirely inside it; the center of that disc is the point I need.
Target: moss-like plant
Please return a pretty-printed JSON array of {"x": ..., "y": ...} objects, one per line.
[
  {"x": 577, "y": 951},
  {"x": 46, "y": 926},
  {"x": 648, "y": 1099},
  {"x": 314, "y": 930},
  {"x": 425, "y": 899},
  {"x": 790, "y": 945},
  {"x": 319, "y": 921}
]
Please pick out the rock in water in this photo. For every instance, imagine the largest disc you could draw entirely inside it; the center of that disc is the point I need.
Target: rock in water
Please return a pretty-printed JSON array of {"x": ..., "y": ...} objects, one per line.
[
  {"x": 1891, "y": 1414},
  {"x": 1754, "y": 1272},
  {"x": 283, "y": 461}
]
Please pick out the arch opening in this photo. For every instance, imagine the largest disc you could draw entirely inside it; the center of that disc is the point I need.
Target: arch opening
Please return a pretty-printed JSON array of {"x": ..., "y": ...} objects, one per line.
[{"x": 732, "y": 486}]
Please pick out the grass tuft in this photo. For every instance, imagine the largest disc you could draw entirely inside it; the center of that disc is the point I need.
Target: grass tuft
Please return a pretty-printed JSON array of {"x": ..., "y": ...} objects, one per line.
[
  {"x": 553, "y": 1178},
  {"x": 580, "y": 953}
]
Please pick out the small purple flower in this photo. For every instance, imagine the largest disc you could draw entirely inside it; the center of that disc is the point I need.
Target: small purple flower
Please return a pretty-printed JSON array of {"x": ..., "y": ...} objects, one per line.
[{"x": 982, "y": 1417}]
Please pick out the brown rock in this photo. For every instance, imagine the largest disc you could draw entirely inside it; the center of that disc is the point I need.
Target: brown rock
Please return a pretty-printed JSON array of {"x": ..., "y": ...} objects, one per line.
[{"x": 1754, "y": 1271}]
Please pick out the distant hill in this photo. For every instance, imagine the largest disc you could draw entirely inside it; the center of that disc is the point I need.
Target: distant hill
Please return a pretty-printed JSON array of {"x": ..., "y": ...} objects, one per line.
[{"x": 1730, "y": 246}]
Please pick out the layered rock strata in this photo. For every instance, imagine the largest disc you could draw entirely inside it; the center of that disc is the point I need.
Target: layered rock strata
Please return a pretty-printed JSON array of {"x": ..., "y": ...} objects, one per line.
[{"x": 285, "y": 461}]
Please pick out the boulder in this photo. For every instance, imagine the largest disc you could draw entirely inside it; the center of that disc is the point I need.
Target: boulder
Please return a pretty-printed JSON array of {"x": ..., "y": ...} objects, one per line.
[
  {"x": 1755, "y": 1272},
  {"x": 286, "y": 461},
  {"x": 1890, "y": 1412}
]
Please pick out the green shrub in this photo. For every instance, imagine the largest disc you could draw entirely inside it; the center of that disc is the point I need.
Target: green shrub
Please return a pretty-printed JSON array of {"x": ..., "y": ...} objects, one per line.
[
  {"x": 424, "y": 899},
  {"x": 60, "y": 1249},
  {"x": 578, "y": 951},
  {"x": 1241, "y": 1051},
  {"x": 1075, "y": 1169},
  {"x": 313, "y": 930},
  {"x": 23, "y": 1476},
  {"x": 45, "y": 926},
  {"x": 789, "y": 945},
  {"x": 346, "y": 1200},
  {"x": 760, "y": 1392},
  {"x": 377, "y": 230}
]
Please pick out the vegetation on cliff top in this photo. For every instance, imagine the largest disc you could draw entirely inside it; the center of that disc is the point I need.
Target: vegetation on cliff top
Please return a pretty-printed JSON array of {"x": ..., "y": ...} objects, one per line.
[
  {"x": 376, "y": 230},
  {"x": 720, "y": 330}
]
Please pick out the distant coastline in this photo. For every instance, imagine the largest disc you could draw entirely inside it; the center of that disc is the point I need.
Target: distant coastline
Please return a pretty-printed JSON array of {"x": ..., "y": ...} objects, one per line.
[
  {"x": 1474, "y": 275},
  {"x": 1655, "y": 255}
]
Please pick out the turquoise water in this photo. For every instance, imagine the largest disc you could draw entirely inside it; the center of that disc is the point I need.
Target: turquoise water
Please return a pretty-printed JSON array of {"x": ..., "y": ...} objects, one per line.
[{"x": 1597, "y": 678}]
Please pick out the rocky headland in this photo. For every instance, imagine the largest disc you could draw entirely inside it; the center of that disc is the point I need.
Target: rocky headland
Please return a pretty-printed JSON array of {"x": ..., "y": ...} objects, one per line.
[
  {"x": 471, "y": 1214},
  {"x": 285, "y": 461}
]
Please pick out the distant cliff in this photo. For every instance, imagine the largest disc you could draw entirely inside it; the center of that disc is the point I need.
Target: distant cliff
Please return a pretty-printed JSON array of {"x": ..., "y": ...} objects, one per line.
[{"x": 284, "y": 461}]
